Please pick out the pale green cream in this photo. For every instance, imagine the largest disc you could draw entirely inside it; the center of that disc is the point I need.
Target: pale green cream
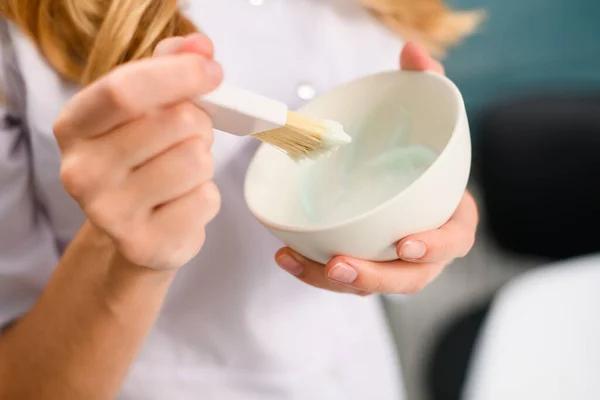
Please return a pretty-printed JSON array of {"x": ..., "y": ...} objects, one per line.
[{"x": 376, "y": 166}]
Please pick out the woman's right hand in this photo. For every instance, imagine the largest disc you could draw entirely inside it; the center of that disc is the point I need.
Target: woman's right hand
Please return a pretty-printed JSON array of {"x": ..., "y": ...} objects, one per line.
[{"x": 136, "y": 154}]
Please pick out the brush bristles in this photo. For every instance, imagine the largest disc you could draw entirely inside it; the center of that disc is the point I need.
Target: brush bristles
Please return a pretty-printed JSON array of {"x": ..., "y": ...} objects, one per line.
[{"x": 304, "y": 137}]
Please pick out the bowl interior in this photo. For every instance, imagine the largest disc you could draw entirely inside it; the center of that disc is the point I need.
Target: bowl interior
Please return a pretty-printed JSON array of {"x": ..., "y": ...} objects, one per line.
[{"x": 399, "y": 122}]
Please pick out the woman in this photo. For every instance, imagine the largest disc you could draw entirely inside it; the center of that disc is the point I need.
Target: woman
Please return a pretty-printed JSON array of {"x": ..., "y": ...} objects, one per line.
[{"x": 84, "y": 293}]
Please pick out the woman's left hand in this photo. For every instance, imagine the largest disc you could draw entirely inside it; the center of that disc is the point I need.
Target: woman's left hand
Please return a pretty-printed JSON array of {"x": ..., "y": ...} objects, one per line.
[{"x": 422, "y": 257}]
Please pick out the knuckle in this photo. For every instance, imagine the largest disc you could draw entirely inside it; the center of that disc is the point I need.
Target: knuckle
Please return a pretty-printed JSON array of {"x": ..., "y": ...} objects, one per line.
[
  {"x": 103, "y": 215},
  {"x": 195, "y": 71},
  {"x": 99, "y": 215},
  {"x": 137, "y": 249},
  {"x": 307, "y": 275},
  {"x": 74, "y": 180},
  {"x": 210, "y": 199},
  {"x": 69, "y": 176},
  {"x": 177, "y": 253},
  {"x": 374, "y": 285},
  {"x": 196, "y": 157},
  {"x": 207, "y": 165},
  {"x": 115, "y": 90},
  {"x": 84, "y": 172},
  {"x": 211, "y": 194},
  {"x": 205, "y": 127},
  {"x": 440, "y": 250},
  {"x": 193, "y": 121},
  {"x": 186, "y": 116},
  {"x": 112, "y": 215},
  {"x": 209, "y": 137},
  {"x": 61, "y": 126},
  {"x": 207, "y": 44}
]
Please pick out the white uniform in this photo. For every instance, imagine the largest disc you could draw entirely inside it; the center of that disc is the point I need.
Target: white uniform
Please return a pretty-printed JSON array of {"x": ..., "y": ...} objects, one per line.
[{"x": 234, "y": 326}]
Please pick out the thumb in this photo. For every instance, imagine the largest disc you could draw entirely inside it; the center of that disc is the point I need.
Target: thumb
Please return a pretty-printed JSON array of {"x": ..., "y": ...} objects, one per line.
[{"x": 415, "y": 58}]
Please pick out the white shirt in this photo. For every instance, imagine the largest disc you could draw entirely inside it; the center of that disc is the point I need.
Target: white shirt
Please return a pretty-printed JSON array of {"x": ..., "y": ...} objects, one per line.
[{"x": 234, "y": 326}]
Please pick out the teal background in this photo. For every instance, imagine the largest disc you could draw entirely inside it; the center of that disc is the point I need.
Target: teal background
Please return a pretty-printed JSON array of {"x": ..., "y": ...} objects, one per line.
[{"x": 527, "y": 47}]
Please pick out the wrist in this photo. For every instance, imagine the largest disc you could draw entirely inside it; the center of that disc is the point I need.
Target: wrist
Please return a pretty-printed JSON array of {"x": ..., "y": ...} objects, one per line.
[
  {"x": 103, "y": 248},
  {"x": 122, "y": 275},
  {"x": 117, "y": 281}
]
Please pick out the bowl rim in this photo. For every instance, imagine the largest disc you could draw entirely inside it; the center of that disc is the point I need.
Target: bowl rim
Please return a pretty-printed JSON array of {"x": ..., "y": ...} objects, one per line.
[{"x": 460, "y": 113}]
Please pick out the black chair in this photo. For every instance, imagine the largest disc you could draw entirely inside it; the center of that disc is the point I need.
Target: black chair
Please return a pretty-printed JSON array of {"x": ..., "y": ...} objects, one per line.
[{"x": 538, "y": 165}]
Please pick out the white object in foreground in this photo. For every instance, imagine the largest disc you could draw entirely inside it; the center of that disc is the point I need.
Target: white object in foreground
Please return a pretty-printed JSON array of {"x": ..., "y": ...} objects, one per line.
[{"x": 437, "y": 120}]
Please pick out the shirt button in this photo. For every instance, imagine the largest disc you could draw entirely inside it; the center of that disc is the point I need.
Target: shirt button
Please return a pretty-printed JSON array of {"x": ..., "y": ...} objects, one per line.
[
  {"x": 256, "y": 2},
  {"x": 306, "y": 92}
]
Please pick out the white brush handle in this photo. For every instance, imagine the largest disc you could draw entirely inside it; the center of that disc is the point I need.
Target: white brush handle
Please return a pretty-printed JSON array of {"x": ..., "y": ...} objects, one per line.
[{"x": 240, "y": 112}]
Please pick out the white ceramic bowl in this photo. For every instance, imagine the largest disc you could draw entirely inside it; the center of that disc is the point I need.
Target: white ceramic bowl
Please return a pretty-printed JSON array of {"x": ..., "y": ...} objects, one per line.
[{"x": 434, "y": 116}]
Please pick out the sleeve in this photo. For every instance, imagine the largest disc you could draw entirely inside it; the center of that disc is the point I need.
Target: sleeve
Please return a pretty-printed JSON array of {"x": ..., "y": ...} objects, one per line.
[{"x": 28, "y": 251}]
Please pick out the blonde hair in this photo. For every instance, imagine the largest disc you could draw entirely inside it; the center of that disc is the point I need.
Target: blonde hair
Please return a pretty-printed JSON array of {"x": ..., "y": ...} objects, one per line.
[{"x": 85, "y": 39}]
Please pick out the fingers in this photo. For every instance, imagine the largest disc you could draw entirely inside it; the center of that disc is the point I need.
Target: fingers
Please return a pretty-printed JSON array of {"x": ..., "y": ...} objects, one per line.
[
  {"x": 425, "y": 257},
  {"x": 310, "y": 272},
  {"x": 164, "y": 237},
  {"x": 415, "y": 58},
  {"x": 204, "y": 201},
  {"x": 390, "y": 277},
  {"x": 136, "y": 153},
  {"x": 172, "y": 174},
  {"x": 349, "y": 275},
  {"x": 185, "y": 219},
  {"x": 157, "y": 132},
  {"x": 134, "y": 90},
  {"x": 110, "y": 159},
  {"x": 453, "y": 240}
]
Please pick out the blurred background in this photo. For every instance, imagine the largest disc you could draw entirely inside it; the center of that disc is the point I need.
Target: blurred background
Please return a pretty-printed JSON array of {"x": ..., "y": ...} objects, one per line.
[
  {"x": 530, "y": 78},
  {"x": 531, "y": 81}
]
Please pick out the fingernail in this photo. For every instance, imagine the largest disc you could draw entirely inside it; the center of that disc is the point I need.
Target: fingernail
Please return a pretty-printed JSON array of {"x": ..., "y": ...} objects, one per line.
[
  {"x": 213, "y": 70},
  {"x": 290, "y": 264},
  {"x": 342, "y": 273},
  {"x": 413, "y": 250}
]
